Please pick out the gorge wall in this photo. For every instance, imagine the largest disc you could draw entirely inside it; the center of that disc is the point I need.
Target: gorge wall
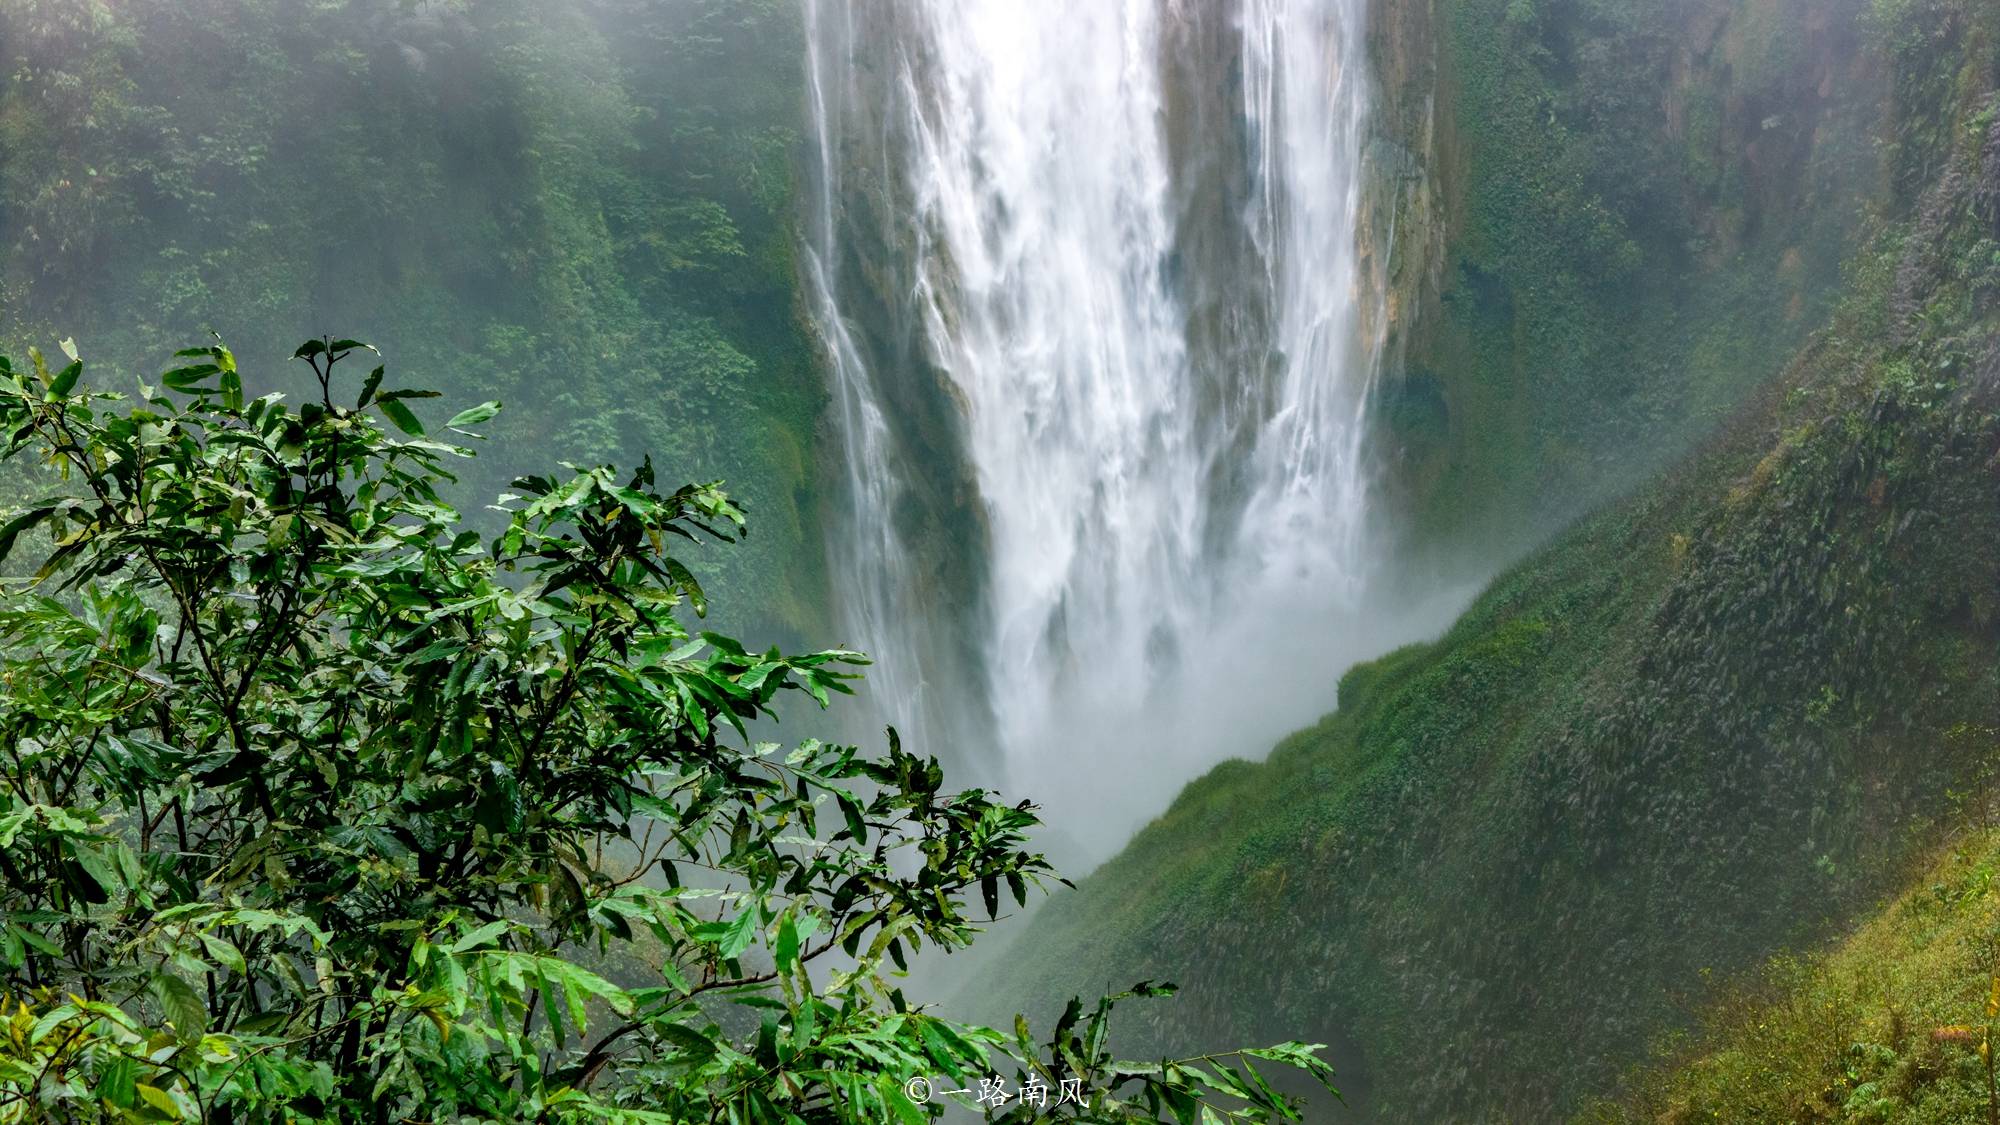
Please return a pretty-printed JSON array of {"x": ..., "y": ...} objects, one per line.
[
  {"x": 1721, "y": 716},
  {"x": 1614, "y": 222}
]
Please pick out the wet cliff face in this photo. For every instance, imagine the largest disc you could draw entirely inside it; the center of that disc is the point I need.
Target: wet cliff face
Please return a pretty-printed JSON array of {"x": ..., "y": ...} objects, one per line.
[
  {"x": 1410, "y": 164},
  {"x": 1612, "y": 222},
  {"x": 862, "y": 230}
]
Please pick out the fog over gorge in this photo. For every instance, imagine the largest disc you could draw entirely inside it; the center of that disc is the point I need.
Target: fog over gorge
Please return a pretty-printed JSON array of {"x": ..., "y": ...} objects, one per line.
[{"x": 797, "y": 561}]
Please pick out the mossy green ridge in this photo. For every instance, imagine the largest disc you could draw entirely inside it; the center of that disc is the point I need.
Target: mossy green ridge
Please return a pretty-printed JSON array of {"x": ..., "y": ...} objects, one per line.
[
  {"x": 581, "y": 208},
  {"x": 1713, "y": 721},
  {"x": 1886, "y": 1025}
]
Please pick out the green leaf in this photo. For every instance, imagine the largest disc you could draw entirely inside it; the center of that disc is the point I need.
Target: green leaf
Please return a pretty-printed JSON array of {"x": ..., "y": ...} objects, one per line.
[
  {"x": 786, "y": 952},
  {"x": 474, "y": 416},
  {"x": 738, "y": 936},
  {"x": 181, "y": 1007},
  {"x": 116, "y": 1082},
  {"x": 906, "y": 1110},
  {"x": 481, "y": 936},
  {"x": 65, "y": 380},
  {"x": 188, "y": 378},
  {"x": 100, "y": 869},
  {"x": 400, "y": 414},
  {"x": 160, "y": 1100},
  {"x": 851, "y": 810},
  {"x": 696, "y": 1048},
  {"x": 684, "y": 578},
  {"x": 225, "y": 954}
]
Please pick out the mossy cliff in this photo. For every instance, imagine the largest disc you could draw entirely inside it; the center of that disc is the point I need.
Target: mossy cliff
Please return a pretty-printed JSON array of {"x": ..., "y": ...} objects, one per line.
[
  {"x": 1613, "y": 220},
  {"x": 1716, "y": 720}
]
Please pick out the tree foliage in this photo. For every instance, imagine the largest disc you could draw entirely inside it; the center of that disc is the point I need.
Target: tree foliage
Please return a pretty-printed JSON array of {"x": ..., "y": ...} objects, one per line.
[{"x": 315, "y": 806}]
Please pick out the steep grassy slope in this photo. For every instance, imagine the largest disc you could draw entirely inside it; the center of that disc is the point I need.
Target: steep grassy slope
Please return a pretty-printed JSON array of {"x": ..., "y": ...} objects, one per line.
[
  {"x": 1711, "y": 722},
  {"x": 1887, "y": 1025}
]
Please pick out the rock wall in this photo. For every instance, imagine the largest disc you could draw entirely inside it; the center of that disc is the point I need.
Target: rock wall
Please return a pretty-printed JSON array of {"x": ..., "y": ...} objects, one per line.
[{"x": 1612, "y": 223}]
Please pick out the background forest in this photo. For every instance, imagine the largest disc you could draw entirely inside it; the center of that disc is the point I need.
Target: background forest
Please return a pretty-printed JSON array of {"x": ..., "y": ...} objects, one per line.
[{"x": 581, "y": 209}]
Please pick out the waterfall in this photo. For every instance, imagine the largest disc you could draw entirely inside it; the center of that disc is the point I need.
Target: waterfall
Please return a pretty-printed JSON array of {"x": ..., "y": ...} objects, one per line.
[{"x": 1101, "y": 335}]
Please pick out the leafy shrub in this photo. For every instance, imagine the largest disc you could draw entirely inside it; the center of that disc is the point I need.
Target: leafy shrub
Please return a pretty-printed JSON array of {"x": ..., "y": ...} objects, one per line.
[{"x": 315, "y": 806}]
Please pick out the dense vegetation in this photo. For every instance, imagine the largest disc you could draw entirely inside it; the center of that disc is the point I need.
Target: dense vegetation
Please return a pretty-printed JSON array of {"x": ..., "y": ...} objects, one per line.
[
  {"x": 580, "y": 207},
  {"x": 1720, "y": 717},
  {"x": 316, "y": 806}
]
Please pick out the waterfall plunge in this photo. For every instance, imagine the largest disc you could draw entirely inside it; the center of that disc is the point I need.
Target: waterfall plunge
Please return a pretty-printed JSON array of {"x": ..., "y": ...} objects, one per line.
[{"x": 1101, "y": 339}]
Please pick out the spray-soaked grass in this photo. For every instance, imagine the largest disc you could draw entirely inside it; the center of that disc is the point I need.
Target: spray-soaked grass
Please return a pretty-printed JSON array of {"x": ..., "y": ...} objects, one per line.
[{"x": 1886, "y": 1025}]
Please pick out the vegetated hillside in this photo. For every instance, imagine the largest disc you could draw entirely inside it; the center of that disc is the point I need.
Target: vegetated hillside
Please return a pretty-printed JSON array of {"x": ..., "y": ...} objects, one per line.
[
  {"x": 1617, "y": 218},
  {"x": 1891, "y": 1024},
  {"x": 1714, "y": 721},
  {"x": 578, "y": 207}
]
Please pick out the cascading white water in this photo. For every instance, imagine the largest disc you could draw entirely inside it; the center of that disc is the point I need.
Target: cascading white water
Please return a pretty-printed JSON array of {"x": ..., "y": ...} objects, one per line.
[
  {"x": 1306, "y": 96},
  {"x": 1097, "y": 315}
]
